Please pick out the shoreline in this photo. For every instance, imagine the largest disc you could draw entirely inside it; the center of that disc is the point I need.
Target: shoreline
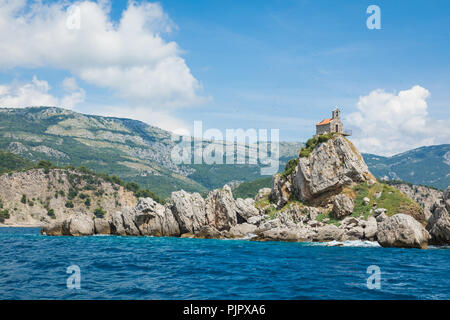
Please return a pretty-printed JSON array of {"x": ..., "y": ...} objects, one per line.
[{"x": 21, "y": 225}]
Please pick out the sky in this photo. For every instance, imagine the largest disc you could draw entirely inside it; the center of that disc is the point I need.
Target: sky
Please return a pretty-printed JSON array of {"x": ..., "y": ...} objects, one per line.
[{"x": 275, "y": 64}]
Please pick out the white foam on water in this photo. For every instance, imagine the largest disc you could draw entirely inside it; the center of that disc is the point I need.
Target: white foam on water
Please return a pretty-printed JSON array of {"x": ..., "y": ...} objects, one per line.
[{"x": 348, "y": 243}]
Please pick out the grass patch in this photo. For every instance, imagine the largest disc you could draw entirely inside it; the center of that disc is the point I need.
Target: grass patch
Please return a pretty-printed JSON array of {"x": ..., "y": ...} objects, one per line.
[
  {"x": 312, "y": 143},
  {"x": 392, "y": 199},
  {"x": 327, "y": 215}
]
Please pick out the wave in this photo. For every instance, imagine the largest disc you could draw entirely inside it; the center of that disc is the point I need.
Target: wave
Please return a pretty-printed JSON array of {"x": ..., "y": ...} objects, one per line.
[{"x": 348, "y": 243}]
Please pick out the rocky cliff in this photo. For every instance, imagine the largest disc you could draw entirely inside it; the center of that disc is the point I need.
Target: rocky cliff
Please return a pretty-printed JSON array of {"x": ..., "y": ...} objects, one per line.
[
  {"x": 327, "y": 195},
  {"x": 41, "y": 196}
]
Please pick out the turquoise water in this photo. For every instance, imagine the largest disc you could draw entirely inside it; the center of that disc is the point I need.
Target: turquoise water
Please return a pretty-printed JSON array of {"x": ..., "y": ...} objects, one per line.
[{"x": 33, "y": 266}]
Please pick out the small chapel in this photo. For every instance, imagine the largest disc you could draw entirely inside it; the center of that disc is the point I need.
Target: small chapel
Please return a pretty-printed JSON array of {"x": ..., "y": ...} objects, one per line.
[{"x": 333, "y": 124}]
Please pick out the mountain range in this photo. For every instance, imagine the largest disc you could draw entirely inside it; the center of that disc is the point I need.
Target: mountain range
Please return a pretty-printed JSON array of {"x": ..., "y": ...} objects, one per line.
[{"x": 138, "y": 152}]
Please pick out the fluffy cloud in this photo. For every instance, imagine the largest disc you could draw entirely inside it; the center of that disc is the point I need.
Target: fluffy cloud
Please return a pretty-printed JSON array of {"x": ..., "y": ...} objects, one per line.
[
  {"x": 129, "y": 57},
  {"x": 36, "y": 93},
  {"x": 389, "y": 123}
]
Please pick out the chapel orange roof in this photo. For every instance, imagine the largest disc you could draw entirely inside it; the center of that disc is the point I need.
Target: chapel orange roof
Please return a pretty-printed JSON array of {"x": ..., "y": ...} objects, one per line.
[{"x": 325, "y": 121}]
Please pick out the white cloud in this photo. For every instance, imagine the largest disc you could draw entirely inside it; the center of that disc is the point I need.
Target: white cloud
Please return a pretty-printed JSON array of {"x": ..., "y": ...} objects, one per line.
[
  {"x": 129, "y": 57},
  {"x": 389, "y": 123},
  {"x": 36, "y": 93},
  {"x": 158, "y": 118}
]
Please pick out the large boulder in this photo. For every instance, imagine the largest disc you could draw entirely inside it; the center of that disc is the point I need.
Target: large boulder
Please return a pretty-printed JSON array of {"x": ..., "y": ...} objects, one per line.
[
  {"x": 281, "y": 190},
  {"x": 245, "y": 209},
  {"x": 220, "y": 209},
  {"x": 439, "y": 226},
  {"x": 342, "y": 206},
  {"x": 241, "y": 230},
  {"x": 439, "y": 223},
  {"x": 79, "y": 225},
  {"x": 329, "y": 166},
  {"x": 285, "y": 234},
  {"x": 189, "y": 211},
  {"x": 53, "y": 229},
  {"x": 102, "y": 226},
  {"x": 329, "y": 233},
  {"x": 370, "y": 229},
  {"x": 154, "y": 219},
  {"x": 402, "y": 231}
]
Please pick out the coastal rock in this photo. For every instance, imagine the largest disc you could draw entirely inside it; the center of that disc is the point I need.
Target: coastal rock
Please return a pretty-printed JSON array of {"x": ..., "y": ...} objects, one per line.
[
  {"x": 189, "y": 211},
  {"x": 154, "y": 219},
  {"x": 53, "y": 229},
  {"x": 245, "y": 209},
  {"x": 439, "y": 226},
  {"x": 208, "y": 232},
  {"x": 80, "y": 225},
  {"x": 342, "y": 206},
  {"x": 329, "y": 166},
  {"x": 285, "y": 234},
  {"x": 281, "y": 190},
  {"x": 439, "y": 222},
  {"x": 241, "y": 230},
  {"x": 220, "y": 209},
  {"x": 370, "y": 229},
  {"x": 426, "y": 197},
  {"x": 328, "y": 233},
  {"x": 102, "y": 226},
  {"x": 403, "y": 231}
]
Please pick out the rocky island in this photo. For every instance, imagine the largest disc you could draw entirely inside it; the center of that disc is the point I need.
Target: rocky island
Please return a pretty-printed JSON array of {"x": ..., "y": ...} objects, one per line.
[{"x": 326, "y": 194}]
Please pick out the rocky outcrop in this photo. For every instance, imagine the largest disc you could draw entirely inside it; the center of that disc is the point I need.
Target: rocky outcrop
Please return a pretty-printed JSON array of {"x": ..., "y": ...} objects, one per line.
[
  {"x": 189, "y": 211},
  {"x": 281, "y": 190},
  {"x": 245, "y": 210},
  {"x": 342, "y": 206},
  {"x": 220, "y": 209},
  {"x": 425, "y": 196},
  {"x": 439, "y": 223},
  {"x": 402, "y": 230},
  {"x": 154, "y": 219},
  {"x": 330, "y": 166},
  {"x": 39, "y": 196}
]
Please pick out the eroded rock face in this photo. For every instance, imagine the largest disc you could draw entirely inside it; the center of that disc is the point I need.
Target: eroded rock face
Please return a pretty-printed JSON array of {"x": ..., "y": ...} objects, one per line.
[
  {"x": 439, "y": 223},
  {"x": 342, "y": 206},
  {"x": 281, "y": 190},
  {"x": 79, "y": 225},
  {"x": 154, "y": 219},
  {"x": 245, "y": 209},
  {"x": 330, "y": 166},
  {"x": 189, "y": 211},
  {"x": 220, "y": 209},
  {"x": 402, "y": 231},
  {"x": 102, "y": 226}
]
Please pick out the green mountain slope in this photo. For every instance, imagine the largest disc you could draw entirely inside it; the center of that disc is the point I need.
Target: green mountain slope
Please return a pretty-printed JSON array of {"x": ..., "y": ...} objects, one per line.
[
  {"x": 128, "y": 148},
  {"x": 425, "y": 166}
]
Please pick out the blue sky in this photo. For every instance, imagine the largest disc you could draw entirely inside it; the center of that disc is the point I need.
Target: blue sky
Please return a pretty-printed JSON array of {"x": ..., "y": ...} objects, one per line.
[{"x": 281, "y": 64}]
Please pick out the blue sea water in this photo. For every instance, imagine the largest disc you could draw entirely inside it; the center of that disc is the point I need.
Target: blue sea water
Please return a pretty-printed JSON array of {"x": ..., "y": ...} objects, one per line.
[{"x": 33, "y": 266}]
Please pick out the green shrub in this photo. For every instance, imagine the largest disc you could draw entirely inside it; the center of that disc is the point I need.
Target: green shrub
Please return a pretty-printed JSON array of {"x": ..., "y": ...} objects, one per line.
[
  {"x": 69, "y": 204},
  {"x": 72, "y": 193},
  {"x": 87, "y": 202},
  {"x": 99, "y": 213},
  {"x": 290, "y": 167},
  {"x": 51, "y": 213},
  {"x": 4, "y": 214},
  {"x": 24, "y": 199}
]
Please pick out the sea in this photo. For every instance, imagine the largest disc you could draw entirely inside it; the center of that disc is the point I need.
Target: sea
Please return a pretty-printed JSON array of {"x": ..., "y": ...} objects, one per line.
[{"x": 35, "y": 266}]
